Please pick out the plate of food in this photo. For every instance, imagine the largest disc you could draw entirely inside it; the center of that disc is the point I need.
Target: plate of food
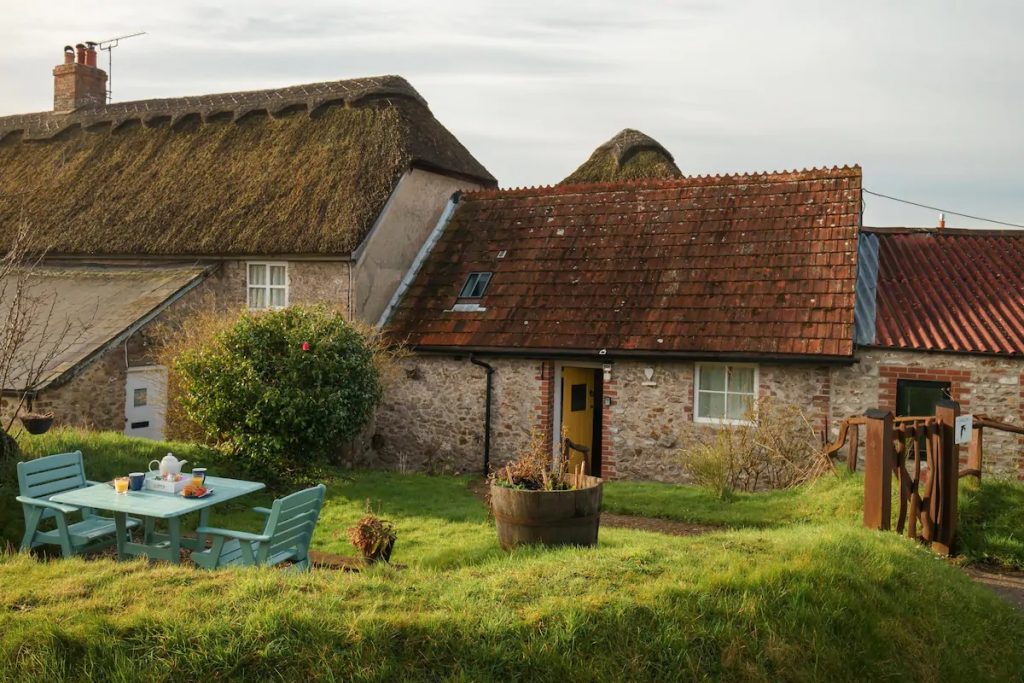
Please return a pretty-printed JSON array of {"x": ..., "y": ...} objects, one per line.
[{"x": 193, "y": 491}]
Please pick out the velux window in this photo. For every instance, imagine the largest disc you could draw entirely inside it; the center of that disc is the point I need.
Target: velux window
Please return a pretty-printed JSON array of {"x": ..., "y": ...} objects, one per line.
[
  {"x": 476, "y": 285},
  {"x": 267, "y": 285},
  {"x": 724, "y": 394}
]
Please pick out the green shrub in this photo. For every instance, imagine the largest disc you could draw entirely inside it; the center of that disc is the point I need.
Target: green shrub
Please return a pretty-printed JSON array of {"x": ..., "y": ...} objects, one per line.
[{"x": 282, "y": 391}]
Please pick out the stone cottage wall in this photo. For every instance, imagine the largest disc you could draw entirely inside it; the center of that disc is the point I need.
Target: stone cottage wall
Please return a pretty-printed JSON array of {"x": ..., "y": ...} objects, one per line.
[
  {"x": 650, "y": 425},
  {"x": 432, "y": 417},
  {"x": 985, "y": 385}
]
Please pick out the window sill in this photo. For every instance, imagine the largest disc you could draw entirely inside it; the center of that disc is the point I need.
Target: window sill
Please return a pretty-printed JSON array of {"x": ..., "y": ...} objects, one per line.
[{"x": 723, "y": 421}]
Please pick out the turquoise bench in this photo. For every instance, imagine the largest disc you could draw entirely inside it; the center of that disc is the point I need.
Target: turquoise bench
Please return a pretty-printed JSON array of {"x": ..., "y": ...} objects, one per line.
[
  {"x": 286, "y": 535},
  {"x": 42, "y": 478}
]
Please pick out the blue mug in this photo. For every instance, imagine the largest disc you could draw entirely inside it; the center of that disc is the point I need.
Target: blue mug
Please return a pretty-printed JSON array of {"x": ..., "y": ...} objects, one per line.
[
  {"x": 199, "y": 472},
  {"x": 135, "y": 481}
]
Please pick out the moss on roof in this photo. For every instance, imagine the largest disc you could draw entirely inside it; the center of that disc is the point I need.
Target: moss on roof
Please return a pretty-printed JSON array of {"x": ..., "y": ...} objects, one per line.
[
  {"x": 630, "y": 155},
  {"x": 191, "y": 177}
]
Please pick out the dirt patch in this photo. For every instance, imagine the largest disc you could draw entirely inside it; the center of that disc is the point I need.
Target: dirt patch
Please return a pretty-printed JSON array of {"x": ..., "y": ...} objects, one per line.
[
  {"x": 661, "y": 526},
  {"x": 1006, "y": 583},
  {"x": 612, "y": 521}
]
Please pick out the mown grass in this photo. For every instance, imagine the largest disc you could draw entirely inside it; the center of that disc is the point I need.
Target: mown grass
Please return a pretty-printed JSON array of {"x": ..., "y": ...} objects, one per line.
[
  {"x": 828, "y": 499},
  {"x": 796, "y": 600},
  {"x": 811, "y": 602}
]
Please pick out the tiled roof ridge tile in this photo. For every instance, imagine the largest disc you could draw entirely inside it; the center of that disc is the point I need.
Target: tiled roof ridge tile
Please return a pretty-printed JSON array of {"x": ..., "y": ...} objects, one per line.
[
  {"x": 42, "y": 125},
  {"x": 814, "y": 172}
]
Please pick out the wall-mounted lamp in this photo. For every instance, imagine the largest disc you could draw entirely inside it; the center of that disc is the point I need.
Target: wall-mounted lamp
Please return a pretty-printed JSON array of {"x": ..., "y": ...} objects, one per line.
[
  {"x": 649, "y": 378},
  {"x": 607, "y": 372}
]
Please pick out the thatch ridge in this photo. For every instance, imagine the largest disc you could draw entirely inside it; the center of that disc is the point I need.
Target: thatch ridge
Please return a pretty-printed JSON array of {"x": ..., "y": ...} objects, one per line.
[
  {"x": 296, "y": 170},
  {"x": 629, "y": 155}
]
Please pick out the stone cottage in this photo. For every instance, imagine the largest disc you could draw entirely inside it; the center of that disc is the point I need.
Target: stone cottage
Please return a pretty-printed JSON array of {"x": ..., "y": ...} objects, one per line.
[
  {"x": 623, "y": 310},
  {"x": 311, "y": 193}
]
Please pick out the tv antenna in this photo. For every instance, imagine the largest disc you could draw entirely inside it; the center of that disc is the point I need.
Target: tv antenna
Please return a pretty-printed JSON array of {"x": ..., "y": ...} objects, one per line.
[{"x": 109, "y": 46}]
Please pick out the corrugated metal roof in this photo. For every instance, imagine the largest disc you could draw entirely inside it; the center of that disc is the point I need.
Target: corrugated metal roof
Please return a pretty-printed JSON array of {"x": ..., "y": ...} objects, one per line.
[
  {"x": 950, "y": 290},
  {"x": 867, "y": 282}
]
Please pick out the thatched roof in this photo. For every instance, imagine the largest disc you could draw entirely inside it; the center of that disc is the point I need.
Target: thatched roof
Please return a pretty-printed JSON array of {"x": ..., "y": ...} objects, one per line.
[
  {"x": 304, "y": 169},
  {"x": 79, "y": 311},
  {"x": 630, "y": 155}
]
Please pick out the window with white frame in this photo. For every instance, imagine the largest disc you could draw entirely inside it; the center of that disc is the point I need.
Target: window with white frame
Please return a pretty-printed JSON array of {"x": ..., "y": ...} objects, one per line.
[
  {"x": 267, "y": 285},
  {"x": 724, "y": 393}
]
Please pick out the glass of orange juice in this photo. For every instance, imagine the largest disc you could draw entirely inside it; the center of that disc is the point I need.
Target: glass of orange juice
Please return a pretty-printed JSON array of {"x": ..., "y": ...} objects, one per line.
[{"x": 121, "y": 485}]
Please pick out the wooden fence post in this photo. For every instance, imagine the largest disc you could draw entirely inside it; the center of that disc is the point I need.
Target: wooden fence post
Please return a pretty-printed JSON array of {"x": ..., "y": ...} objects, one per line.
[
  {"x": 878, "y": 464},
  {"x": 852, "y": 452},
  {"x": 946, "y": 412}
]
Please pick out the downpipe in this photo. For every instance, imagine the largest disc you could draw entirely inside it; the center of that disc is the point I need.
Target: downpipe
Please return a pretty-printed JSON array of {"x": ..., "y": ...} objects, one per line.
[{"x": 487, "y": 411}]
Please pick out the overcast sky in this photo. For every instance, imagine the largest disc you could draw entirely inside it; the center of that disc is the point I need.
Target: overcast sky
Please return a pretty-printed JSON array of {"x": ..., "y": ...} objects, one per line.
[{"x": 925, "y": 94}]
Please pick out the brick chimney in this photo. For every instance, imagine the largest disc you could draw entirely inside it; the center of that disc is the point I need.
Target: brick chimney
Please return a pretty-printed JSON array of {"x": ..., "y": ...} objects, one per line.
[{"x": 78, "y": 82}]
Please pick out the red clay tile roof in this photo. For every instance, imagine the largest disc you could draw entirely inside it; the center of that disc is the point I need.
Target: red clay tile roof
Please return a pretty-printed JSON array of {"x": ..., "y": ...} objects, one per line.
[
  {"x": 950, "y": 290},
  {"x": 751, "y": 264}
]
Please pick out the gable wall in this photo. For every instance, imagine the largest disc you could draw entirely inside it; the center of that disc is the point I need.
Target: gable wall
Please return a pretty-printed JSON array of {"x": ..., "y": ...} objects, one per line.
[{"x": 407, "y": 220}]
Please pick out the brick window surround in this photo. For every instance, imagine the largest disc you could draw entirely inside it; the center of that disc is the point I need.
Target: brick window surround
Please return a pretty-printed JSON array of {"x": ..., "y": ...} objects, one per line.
[{"x": 891, "y": 374}]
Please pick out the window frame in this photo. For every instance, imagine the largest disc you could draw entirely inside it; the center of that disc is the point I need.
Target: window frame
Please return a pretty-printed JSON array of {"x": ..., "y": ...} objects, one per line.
[
  {"x": 903, "y": 383},
  {"x": 475, "y": 274},
  {"x": 696, "y": 392},
  {"x": 267, "y": 287}
]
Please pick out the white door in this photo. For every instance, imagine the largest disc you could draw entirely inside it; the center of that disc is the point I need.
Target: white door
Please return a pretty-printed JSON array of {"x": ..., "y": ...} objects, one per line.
[{"x": 145, "y": 400}]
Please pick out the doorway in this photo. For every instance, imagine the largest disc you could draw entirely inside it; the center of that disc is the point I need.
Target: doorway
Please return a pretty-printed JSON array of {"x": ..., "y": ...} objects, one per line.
[
  {"x": 579, "y": 417},
  {"x": 145, "y": 401}
]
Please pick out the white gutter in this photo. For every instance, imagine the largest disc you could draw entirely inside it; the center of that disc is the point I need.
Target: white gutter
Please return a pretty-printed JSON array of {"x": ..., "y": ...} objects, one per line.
[{"x": 417, "y": 262}]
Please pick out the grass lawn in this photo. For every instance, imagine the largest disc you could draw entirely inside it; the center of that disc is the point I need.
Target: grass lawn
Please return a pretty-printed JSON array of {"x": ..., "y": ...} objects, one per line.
[{"x": 803, "y": 601}]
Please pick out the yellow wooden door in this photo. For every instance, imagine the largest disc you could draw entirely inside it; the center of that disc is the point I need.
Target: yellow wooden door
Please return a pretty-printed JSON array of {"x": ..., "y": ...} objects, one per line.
[{"x": 578, "y": 413}]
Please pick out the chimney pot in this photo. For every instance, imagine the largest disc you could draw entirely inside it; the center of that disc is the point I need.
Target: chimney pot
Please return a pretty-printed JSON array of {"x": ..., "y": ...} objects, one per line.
[
  {"x": 79, "y": 54},
  {"x": 90, "y": 54},
  {"x": 69, "y": 54},
  {"x": 942, "y": 220}
]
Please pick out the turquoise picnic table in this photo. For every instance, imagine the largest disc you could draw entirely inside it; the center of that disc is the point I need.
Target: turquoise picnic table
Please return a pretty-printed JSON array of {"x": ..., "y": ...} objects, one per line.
[{"x": 156, "y": 505}]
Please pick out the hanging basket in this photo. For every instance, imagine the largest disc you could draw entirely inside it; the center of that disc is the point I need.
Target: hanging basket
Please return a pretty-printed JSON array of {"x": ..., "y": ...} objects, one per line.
[{"x": 37, "y": 424}]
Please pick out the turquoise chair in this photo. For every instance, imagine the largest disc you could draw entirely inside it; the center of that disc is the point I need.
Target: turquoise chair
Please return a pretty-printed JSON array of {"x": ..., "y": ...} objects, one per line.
[
  {"x": 42, "y": 478},
  {"x": 286, "y": 535}
]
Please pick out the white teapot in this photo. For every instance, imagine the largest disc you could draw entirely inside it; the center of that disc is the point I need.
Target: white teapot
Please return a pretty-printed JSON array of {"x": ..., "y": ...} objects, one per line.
[{"x": 169, "y": 466}]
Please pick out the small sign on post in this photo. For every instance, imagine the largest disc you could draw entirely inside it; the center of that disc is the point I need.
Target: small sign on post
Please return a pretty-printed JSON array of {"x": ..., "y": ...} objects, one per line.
[{"x": 962, "y": 429}]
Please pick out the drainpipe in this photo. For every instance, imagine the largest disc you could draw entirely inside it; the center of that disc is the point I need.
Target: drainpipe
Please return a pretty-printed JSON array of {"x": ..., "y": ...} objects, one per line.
[{"x": 487, "y": 411}]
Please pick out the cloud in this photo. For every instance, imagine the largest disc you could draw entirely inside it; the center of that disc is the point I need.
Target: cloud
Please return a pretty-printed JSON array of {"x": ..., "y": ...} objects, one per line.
[{"x": 924, "y": 95}]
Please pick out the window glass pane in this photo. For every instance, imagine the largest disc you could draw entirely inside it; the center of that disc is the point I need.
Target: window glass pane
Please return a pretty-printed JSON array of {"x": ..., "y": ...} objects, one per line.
[
  {"x": 711, "y": 405},
  {"x": 277, "y": 297},
  {"x": 277, "y": 275},
  {"x": 467, "y": 289},
  {"x": 481, "y": 284},
  {"x": 139, "y": 397},
  {"x": 257, "y": 274},
  {"x": 712, "y": 377},
  {"x": 741, "y": 380},
  {"x": 476, "y": 285},
  {"x": 257, "y": 297},
  {"x": 738, "y": 406}
]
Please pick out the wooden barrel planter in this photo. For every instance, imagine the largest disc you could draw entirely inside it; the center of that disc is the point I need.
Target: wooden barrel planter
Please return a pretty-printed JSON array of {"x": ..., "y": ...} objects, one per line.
[{"x": 548, "y": 517}]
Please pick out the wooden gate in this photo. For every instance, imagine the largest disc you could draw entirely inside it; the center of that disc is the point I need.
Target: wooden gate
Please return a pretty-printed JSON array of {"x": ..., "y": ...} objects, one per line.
[{"x": 921, "y": 454}]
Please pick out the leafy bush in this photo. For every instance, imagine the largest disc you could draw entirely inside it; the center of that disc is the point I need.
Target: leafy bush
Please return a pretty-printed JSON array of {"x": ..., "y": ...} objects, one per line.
[
  {"x": 776, "y": 450},
  {"x": 281, "y": 391}
]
